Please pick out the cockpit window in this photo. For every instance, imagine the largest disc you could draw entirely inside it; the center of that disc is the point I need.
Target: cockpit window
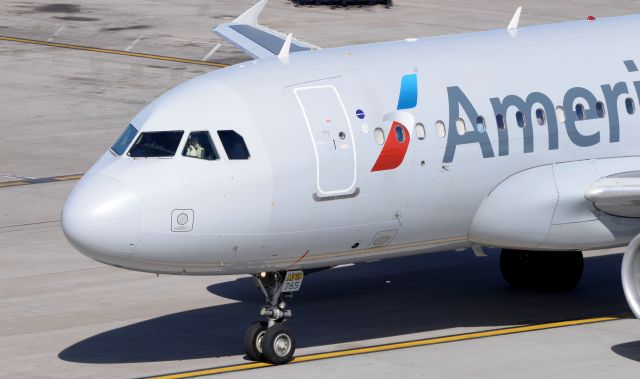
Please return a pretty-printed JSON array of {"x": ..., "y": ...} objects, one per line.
[
  {"x": 156, "y": 145},
  {"x": 121, "y": 144},
  {"x": 234, "y": 144},
  {"x": 200, "y": 146}
]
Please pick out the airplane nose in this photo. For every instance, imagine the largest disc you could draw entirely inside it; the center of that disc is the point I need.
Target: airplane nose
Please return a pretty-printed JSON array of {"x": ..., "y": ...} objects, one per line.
[{"x": 101, "y": 218}]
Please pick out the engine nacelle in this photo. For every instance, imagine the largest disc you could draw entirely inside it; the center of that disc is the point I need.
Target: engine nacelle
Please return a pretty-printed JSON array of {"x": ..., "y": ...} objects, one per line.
[{"x": 631, "y": 275}]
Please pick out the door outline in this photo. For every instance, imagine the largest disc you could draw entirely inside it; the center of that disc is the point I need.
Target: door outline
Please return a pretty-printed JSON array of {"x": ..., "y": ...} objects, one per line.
[{"x": 321, "y": 192}]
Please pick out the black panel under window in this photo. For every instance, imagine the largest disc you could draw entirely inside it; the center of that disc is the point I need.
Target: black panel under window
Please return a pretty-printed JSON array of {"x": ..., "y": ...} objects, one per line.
[
  {"x": 234, "y": 144},
  {"x": 156, "y": 145}
]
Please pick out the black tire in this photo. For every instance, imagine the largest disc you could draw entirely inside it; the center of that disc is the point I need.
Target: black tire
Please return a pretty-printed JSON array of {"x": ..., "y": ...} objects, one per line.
[
  {"x": 514, "y": 267},
  {"x": 253, "y": 339},
  {"x": 544, "y": 270},
  {"x": 279, "y": 345},
  {"x": 564, "y": 271}
]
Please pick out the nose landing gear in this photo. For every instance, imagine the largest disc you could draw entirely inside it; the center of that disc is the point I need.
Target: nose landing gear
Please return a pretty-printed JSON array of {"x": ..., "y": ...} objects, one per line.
[{"x": 270, "y": 340}]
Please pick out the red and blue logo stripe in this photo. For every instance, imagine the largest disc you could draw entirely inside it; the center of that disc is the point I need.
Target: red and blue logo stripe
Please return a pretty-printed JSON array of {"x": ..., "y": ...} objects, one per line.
[{"x": 398, "y": 138}]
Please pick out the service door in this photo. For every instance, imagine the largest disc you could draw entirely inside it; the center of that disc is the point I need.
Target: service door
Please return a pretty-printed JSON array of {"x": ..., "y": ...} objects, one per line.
[{"x": 332, "y": 139}]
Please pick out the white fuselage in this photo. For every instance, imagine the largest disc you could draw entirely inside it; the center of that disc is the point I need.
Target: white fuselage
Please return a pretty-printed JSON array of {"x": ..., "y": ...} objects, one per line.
[{"x": 308, "y": 198}]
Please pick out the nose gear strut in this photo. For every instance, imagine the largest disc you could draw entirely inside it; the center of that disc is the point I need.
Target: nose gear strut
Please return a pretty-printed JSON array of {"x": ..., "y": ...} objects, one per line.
[{"x": 270, "y": 340}]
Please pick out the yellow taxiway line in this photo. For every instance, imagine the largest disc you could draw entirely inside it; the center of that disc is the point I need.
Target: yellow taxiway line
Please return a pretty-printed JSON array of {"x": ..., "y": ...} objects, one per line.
[
  {"x": 394, "y": 346},
  {"x": 30, "y": 181},
  {"x": 110, "y": 51}
]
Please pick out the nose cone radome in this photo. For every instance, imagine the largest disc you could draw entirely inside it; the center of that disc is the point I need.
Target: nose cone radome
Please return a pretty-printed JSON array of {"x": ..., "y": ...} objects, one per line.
[{"x": 101, "y": 218}]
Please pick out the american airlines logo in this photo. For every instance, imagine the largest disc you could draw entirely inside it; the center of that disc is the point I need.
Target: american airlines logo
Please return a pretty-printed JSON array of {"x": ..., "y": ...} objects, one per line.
[
  {"x": 579, "y": 104},
  {"x": 395, "y": 149}
]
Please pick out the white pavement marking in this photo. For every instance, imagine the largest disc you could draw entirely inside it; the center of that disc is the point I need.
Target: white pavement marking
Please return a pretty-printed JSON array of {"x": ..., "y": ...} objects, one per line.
[
  {"x": 54, "y": 35},
  {"x": 194, "y": 41},
  {"x": 12, "y": 176},
  {"x": 215, "y": 48},
  {"x": 132, "y": 44}
]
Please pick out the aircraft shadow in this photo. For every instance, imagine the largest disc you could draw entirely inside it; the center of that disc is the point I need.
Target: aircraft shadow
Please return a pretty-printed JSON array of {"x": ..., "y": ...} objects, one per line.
[
  {"x": 629, "y": 350},
  {"x": 366, "y": 301}
]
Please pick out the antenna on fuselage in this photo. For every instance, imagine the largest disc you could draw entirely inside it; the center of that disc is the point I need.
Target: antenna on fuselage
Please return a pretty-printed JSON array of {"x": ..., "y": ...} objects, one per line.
[
  {"x": 515, "y": 21},
  {"x": 286, "y": 49}
]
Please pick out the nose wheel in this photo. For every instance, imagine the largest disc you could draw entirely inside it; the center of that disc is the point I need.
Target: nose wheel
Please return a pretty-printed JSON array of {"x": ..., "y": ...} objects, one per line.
[
  {"x": 271, "y": 341},
  {"x": 253, "y": 338},
  {"x": 278, "y": 345}
]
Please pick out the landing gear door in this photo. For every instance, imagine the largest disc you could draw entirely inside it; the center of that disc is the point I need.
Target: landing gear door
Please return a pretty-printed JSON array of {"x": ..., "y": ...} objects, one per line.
[{"x": 332, "y": 139}]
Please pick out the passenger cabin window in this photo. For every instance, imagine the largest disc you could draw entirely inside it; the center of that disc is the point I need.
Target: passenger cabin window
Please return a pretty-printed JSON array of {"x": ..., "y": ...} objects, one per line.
[
  {"x": 631, "y": 106},
  {"x": 441, "y": 129},
  {"x": 562, "y": 118},
  {"x": 199, "y": 145},
  {"x": 156, "y": 144},
  {"x": 600, "y": 109},
  {"x": 399, "y": 130},
  {"x": 421, "y": 132},
  {"x": 121, "y": 144},
  {"x": 541, "y": 116},
  {"x": 481, "y": 126},
  {"x": 500, "y": 121},
  {"x": 379, "y": 134},
  {"x": 461, "y": 127},
  {"x": 522, "y": 122},
  {"x": 580, "y": 112},
  {"x": 234, "y": 145}
]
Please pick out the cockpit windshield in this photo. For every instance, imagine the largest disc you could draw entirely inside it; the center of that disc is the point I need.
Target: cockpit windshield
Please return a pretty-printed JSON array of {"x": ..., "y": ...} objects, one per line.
[
  {"x": 156, "y": 145},
  {"x": 234, "y": 145},
  {"x": 200, "y": 146},
  {"x": 121, "y": 144}
]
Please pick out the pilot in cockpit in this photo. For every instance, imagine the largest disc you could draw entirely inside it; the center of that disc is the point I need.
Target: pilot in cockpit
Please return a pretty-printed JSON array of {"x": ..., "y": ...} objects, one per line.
[{"x": 194, "y": 147}]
